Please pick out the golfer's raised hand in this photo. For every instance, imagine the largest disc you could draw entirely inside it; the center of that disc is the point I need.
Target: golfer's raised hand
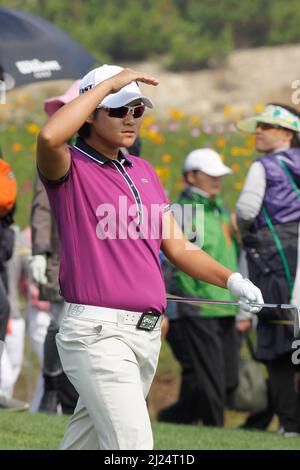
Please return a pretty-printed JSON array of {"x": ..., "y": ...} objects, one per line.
[
  {"x": 127, "y": 76},
  {"x": 246, "y": 292}
]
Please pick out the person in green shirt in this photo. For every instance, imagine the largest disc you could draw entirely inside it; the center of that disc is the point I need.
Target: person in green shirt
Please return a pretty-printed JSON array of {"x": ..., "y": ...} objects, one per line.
[{"x": 204, "y": 340}]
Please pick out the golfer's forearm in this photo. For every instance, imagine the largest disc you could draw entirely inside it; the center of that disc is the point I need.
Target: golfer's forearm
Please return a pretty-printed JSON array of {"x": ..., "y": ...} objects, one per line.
[
  {"x": 68, "y": 119},
  {"x": 198, "y": 264}
]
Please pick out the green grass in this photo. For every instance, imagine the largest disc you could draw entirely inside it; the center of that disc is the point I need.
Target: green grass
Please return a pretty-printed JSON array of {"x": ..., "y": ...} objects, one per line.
[{"x": 23, "y": 431}]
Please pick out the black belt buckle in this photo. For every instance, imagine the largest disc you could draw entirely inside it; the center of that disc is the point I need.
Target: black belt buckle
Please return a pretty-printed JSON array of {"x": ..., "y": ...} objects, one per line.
[{"x": 148, "y": 320}]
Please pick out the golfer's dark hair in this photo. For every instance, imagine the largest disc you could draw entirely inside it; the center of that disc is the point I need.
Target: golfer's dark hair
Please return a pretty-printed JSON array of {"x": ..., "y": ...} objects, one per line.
[
  {"x": 85, "y": 131},
  {"x": 295, "y": 142}
]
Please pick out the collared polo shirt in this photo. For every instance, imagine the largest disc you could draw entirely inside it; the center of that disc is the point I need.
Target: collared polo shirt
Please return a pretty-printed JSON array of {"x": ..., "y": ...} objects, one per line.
[{"x": 109, "y": 216}]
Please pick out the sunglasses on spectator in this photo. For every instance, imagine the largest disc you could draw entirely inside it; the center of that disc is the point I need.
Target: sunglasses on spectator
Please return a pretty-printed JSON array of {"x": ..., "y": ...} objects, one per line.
[
  {"x": 136, "y": 111},
  {"x": 266, "y": 126}
]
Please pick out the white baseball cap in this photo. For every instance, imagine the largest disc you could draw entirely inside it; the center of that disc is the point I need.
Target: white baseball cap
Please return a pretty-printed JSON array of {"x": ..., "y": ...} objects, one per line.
[
  {"x": 206, "y": 160},
  {"x": 127, "y": 94}
]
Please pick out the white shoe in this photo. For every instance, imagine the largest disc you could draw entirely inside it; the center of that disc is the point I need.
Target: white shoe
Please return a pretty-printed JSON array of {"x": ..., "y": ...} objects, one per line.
[
  {"x": 12, "y": 404},
  {"x": 282, "y": 432}
]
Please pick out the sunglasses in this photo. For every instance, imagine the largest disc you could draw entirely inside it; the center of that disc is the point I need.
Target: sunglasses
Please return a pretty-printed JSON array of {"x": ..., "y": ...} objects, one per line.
[
  {"x": 266, "y": 126},
  {"x": 136, "y": 111}
]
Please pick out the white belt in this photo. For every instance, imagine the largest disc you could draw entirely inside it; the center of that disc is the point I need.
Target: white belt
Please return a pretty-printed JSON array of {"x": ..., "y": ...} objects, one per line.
[{"x": 111, "y": 315}]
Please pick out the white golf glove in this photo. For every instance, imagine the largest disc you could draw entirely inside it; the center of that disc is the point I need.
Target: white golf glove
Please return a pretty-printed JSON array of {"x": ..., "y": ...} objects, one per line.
[
  {"x": 38, "y": 265},
  {"x": 245, "y": 291}
]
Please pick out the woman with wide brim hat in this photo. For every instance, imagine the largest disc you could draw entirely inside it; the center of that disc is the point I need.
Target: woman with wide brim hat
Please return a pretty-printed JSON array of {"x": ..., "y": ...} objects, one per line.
[{"x": 268, "y": 216}]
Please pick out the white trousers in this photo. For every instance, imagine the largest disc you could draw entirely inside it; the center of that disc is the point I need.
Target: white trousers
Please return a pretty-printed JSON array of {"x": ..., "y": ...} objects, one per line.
[
  {"x": 12, "y": 357},
  {"x": 111, "y": 364},
  {"x": 37, "y": 326}
]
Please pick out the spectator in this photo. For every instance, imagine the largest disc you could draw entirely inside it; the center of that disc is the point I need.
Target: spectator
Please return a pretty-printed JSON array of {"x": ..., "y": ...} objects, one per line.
[
  {"x": 37, "y": 322},
  {"x": 17, "y": 268},
  {"x": 204, "y": 340},
  {"x": 268, "y": 215}
]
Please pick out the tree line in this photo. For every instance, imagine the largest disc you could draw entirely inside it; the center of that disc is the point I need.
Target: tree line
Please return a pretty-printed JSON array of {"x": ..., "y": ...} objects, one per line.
[{"x": 181, "y": 34}]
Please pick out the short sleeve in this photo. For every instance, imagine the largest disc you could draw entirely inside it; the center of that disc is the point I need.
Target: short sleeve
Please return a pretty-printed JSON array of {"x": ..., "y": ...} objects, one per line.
[{"x": 55, "y": 183}]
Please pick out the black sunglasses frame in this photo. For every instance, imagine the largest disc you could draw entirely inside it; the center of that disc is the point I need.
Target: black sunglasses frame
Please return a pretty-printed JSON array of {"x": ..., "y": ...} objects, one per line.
[{"x": 266, "y": 126}]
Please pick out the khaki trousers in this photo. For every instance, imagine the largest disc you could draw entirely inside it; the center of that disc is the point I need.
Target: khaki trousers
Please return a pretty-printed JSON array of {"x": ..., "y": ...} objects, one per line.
[{"x": 111, "y": 364}]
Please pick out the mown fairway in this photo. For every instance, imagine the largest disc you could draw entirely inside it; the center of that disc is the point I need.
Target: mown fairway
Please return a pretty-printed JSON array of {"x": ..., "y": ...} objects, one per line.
[{"x": 20, "y": 430}]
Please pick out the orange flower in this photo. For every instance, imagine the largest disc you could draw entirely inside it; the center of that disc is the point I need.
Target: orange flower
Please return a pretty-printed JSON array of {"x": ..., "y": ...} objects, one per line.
[
  {"x": 250, "y": 142},
  {"x": 234, "y": 151},
  {"x": 194, "y": 120},
  {"x": 158, "y": 170},
  {"x": 163, "y": 173},
  {"x": 176, "y": 114},
  {"x": 227, "y": 110},
  {"x": 240, "y": 151},
  {"x": 22, "y": 98},
  {"x": 32, "y": 128},
  {"x": 221, "y": 143},
  {"x": 17, "y": 147},
  {"x": 148, "y": 120},
  {"x": 235, "y": 167},
  {"x": 238, "y": 185},
  {"x": 259, "y": 108},
  {"x": 156, "y": 138},
  {"x": 166, "y": 158}
]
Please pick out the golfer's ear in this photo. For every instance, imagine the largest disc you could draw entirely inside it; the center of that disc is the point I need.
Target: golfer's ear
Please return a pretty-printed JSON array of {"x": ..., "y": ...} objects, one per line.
[{"x": 189, "y": 177}]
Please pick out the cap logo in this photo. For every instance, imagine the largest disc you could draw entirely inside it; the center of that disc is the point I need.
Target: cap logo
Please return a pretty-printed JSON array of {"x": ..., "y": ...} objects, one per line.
[{"x": 86, "y": 88}]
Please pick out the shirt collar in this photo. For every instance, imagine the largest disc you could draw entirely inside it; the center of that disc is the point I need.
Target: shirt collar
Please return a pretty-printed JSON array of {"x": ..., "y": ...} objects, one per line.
[
  {"x": 282, "y": 149},
  {"x": 99, "y": 157},
  {"x": 212, "y": 201},
  {"x": 199, "y": 191}
]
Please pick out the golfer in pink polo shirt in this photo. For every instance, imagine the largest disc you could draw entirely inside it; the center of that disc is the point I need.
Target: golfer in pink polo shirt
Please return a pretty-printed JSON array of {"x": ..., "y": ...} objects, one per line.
[{"x": 113, "y": 218}]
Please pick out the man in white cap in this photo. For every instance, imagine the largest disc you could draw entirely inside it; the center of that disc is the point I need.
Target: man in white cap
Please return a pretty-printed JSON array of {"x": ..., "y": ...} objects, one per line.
[{"x": 204, "y": 339}]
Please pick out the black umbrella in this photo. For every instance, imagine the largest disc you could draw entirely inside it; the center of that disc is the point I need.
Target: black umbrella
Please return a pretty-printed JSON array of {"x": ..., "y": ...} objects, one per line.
[{"x": 32, "y": 50}]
